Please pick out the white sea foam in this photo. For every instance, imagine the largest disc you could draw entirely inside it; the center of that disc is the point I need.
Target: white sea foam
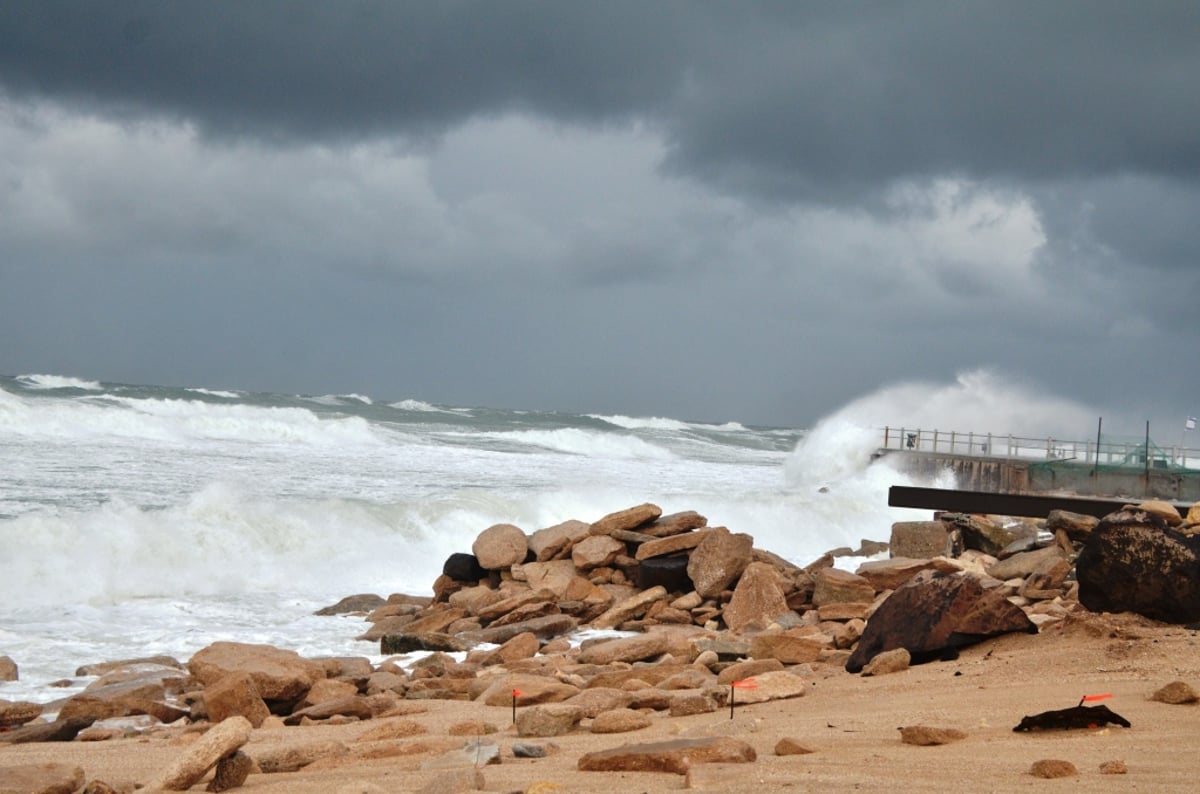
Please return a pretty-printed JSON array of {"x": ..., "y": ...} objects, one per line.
[
  {"x": 641, "y": 423},
  {"x": 58, "y": 382},
  {"x": 420, "y": 406},
  {"x": 585, "y": 442},
  {"x": 228, "y": 395}
]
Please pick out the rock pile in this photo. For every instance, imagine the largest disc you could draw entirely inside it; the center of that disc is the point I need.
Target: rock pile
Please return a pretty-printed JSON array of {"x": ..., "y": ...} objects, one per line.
[{"x": 678, "y": 612}]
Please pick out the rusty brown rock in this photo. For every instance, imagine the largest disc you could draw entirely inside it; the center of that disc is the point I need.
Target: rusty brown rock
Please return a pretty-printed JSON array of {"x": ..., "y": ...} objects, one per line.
[
  {"x": 235, "y": 694},
  {"x": 835, "y": 586},
  {"x": 1053, "y": 768},
  {"x": 669, "y": 545},
  {"x": 717, "y": 562},
  {"x": 500, "y": 546},
  {"x": 221, "y": 740},
  {"x": 757, "y": 600},
  {"x": 1176, "y": 693},
  {"x": 631, "y": 518},
  {"x": 278, "y": 674},
  {"x": 672, "y": 756}
]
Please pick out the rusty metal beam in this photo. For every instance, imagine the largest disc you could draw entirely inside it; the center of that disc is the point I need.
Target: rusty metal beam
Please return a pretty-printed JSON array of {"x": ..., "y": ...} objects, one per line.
[{"x": 1028, "y": 505}]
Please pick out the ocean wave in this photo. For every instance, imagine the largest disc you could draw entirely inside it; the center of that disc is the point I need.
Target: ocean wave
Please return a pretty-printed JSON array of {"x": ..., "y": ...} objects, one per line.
[
  {"x": 117, "y": 416},
  {"x": 420, "y": 406},
  {"x": 228, "y": 395},
  {"x": 641, "y": 423},
  {"x": 584, "y": 442},
  {"x": 58, "y": 382}
]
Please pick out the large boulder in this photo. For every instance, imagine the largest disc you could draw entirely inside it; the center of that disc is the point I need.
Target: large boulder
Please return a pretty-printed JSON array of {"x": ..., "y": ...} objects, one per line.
[
  {"x": 757, "y": 600},
  {"x": 632, "y": 518},
  {"x": 1133, "y": 562},
  {"x": 934, "y": 613},
  {"x": 719, "y": 560},
  {"x": 500, "y": 546},
  {"x": 279, "y": 675}
]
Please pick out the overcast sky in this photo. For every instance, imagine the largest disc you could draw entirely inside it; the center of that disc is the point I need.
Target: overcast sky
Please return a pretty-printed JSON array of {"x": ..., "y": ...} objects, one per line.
[{"x": 707, "y": 210}]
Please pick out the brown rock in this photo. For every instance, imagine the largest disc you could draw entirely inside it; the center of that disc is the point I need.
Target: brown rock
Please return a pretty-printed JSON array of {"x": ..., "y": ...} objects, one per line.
[
  {"x": 596, "y": 700},
  {"x": 544, "y": 627},
  {"x": 18, "y": 713},
  {"x": 835, "y": 586},
  {"x": 278, "y": 674},
  {"x": 789, "y": 746},
  {"x": 232, "y": 771},
  {"x": 533, "y": 689},
  {"x": 42, "y": 778},
  {"x": 354, "y": 706},
  {"x": 788, "y": 647},
  {"x": 890, "y": 574},
  {"x": 522, "y": 646},
  {"x": 1164, "y": 510},
  {"x": 120, "y": 700},
  {"x": 472, "y": 728},
  {"x": 925, "y": 735},
  {"x": 739, "y": 670},
  {"x": 223, "y": 739},
  {"x": 235, "y": 694},
  {"x": 843, "y": 611},
  {"x": 776, "y": 685},
  {"x": 551, "y": 719},
  {"x": 500, "y": 546},
  {"x": 673, "y": 756},
  {"x": 1077, "y": 525},
  {"x": 8, "y": 669},
  {"x": 686, "y": 703},
  {"x": 1114, "y": 768},
  {"x": 631, "y": 518},
  {"x": 934, "y": 612},
  {"x": 922, "y": 540},
  {"x": 669, "y": 545},
  {"x": 363, "y": 602},
  {"x": 291, "y": 757},
  {"x": 629, "y": 608},
  {"x": 757, "y": 600},
  {"x": 1052, "y": 768},
  {"x": 893, "y": 661},
  {"x": 719, "y": 559},
  {"x": 554, "y": 577},
  {"x": 1026, "y": 563},
  {"x": 619, "y": 721},
  {"x": 675, "y": 523},
  {"x": 624, "y": 649},
  {"x": 595, "y": 551},
  {"x": 1176, "y": 693},
  {"x": 555, "y": 543}
]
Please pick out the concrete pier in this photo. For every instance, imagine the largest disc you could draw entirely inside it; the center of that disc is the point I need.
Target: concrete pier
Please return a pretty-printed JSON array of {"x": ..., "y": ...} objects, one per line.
[{"x": 1011, "y": 465}]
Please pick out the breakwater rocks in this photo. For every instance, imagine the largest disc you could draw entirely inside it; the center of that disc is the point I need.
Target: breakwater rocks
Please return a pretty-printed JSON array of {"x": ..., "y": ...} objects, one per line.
[{"x": 606, "y": 627}]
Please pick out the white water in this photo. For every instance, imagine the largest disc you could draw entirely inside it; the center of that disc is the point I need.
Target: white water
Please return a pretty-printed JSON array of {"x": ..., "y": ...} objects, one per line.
[{"x": 146, "y": 520}]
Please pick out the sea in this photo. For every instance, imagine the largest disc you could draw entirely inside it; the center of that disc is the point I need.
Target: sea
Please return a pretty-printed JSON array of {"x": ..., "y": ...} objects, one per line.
[{"x": 147, "y": 520}]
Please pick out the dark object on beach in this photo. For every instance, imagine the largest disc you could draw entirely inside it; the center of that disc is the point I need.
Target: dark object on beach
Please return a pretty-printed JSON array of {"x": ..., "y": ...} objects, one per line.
[
  {"x": 932, "y": 615},
  {"x": 1133, "y": 562},
  {"x": 669, "y": 571},
  {"x": 1074, "y": 717},
  {"x": 463, "y": 567}
]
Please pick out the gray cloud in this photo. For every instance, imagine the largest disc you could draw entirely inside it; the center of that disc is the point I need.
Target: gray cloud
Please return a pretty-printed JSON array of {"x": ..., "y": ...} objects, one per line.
[{"x": 710, "y": 210}]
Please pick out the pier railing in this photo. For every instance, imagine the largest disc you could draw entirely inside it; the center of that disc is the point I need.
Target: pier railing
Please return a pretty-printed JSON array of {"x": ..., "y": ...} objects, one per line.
[{"x": 1008, "y": 447}]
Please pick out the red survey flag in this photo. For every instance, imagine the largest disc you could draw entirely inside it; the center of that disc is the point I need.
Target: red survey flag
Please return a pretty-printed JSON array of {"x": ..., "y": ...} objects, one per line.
[
  {"x": 1090, "y": 698},
  {"x": 517, "y": 693},
  {"x": 745, "y": 683}
]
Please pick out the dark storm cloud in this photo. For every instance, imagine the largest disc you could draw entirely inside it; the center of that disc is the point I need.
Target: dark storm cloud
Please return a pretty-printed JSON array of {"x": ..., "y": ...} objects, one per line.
[
  {"x": 785, "y": 99},
  {"x": 708, "y": 210}
]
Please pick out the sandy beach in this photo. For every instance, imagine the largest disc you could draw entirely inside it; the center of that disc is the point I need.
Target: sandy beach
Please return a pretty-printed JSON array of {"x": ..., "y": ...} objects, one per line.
[{"x": 850, "y": 723}]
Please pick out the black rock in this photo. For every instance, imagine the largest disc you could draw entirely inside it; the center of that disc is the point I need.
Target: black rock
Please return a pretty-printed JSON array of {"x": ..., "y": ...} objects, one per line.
[
  {"x": 1075, "y": 717},
  {"x": 1133, "y": 562},
  {"x": 670, "y": 571},
  {"x": 463, "y": 567}
]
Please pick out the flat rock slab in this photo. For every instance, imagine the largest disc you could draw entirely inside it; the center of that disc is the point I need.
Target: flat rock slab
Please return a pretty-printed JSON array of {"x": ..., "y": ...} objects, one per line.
[{"x": 675, "y": 756}]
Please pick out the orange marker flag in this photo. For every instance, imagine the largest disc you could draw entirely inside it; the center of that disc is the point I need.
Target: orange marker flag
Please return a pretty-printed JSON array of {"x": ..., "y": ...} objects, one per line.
[
  {"x": 1090, "y": 698},
  {"x": 745, "y": 683}
]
